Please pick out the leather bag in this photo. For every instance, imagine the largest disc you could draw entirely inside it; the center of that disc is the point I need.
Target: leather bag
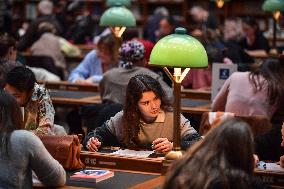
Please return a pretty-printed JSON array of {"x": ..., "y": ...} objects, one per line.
[{"x": 65, "y": 149}]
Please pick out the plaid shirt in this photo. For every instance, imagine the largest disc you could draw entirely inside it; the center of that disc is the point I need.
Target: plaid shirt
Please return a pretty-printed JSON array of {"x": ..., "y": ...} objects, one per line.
[{"x": 39, "y": 112}]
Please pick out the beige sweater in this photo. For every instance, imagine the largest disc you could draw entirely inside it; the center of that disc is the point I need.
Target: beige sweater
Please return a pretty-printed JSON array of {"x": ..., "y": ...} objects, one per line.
[{"x": 161, "y": 128}]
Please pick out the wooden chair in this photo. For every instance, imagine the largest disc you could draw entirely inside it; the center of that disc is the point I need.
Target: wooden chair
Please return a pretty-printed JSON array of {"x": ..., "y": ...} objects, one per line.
[
  {"x": 259, "y": 124},
  {"x": 45, "y": 62}
]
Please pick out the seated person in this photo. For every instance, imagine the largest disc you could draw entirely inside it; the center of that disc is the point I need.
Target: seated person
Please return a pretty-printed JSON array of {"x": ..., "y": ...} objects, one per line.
[
  {"x": 21, "y": 152},
  {"x": 146, "y": 120},
  {"x": 8, "y": 55},
  {"x": 48, "y": 38},
  {"x": 114, "y": 82},
  {"x": 259, "y": 92},
  {"x": 253, "y": 42},
  {"x": 37, "y": 106},
  {"x": 113, "y": 86},
  {"x": 232, "y": 34},
  {"x": 96, "y": 62},
  {"x": 222, "y": 159}
]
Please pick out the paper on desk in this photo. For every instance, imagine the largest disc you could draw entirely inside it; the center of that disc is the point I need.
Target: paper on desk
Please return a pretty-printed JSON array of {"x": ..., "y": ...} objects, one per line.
[
  {"x": 274, "y": 167},
  {"x": 133, "y": 153}
]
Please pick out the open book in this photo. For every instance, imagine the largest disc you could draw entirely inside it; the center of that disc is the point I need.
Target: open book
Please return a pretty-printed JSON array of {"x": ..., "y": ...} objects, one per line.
[{"x": 91, "y": 175}]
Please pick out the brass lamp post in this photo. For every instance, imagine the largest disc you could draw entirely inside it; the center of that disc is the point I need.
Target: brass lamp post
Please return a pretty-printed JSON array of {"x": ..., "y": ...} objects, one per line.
[
  {"x": 178, "y": 51},
  {"x": 274, "y": 6}
]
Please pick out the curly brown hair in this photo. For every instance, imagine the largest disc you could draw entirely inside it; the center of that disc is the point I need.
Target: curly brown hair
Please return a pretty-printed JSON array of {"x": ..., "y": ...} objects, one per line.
[{"x": 137, "y": 85}]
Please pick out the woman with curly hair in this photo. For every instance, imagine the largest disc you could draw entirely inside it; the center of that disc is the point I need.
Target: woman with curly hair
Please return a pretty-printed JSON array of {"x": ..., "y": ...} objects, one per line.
[
  {"x": 146, "y": 120},
  {"x": 224, "y": 159}
]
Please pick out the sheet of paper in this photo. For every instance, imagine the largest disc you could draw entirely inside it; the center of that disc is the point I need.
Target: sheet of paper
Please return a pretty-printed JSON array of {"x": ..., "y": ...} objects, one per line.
[
  {"x": 274, "y": 167},
  {"x": 133, "y": 153},
  {"x": 269, "y": 166}
]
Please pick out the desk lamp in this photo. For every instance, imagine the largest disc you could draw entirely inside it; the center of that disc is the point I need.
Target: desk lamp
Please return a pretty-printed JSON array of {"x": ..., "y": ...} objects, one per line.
[
  {"x": 220, "y": 3},
  {"x": 111, "y": 3},
  {"x": 178, "y": 51},
  {"x": 117, "y": 18},
  {"x": 274, "y": 6}
]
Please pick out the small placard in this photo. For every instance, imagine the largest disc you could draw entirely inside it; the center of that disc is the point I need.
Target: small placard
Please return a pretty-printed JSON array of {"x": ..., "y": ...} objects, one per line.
[{"x": 220, "y": 73}]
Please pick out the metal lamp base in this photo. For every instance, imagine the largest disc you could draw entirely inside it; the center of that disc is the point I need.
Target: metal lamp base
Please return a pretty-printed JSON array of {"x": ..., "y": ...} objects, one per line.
[{"x": 172, "y": 155}]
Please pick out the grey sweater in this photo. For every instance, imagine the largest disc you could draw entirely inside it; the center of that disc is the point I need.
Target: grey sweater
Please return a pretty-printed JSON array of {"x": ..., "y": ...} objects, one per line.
[{"x": 28, "y": 153}]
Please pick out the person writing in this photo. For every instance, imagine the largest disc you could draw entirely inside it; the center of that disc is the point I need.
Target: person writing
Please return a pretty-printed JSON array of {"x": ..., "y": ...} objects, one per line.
[
  {"x": 146, "y": 121},
  {"x": 96, "y": 62},
  {"x": 35, "y": 100}
]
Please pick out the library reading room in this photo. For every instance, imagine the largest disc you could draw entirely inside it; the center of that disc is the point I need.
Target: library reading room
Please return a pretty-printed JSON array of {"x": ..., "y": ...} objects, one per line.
[{"x": 142, "y": 94}]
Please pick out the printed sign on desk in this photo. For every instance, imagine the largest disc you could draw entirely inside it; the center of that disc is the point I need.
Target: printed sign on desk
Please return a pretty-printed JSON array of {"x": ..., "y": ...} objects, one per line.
[{"x": 221, "y": 72}]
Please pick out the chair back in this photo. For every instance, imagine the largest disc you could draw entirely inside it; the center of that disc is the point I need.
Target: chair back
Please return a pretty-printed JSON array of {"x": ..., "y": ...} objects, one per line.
[
  {"x": 45, "y": 62},
  {"x": 259, "y": 124}
]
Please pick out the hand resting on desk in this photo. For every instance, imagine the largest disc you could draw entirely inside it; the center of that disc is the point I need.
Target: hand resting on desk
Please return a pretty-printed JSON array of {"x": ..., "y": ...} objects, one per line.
[
  {"x": 162, "y": 145},
  {"x": 84, "y": 81},
  {"x": 93, "y": 144}
]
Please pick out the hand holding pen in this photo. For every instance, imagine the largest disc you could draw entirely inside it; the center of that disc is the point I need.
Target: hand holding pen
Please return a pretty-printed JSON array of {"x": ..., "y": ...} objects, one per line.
[{"x": 93, "y": 144}]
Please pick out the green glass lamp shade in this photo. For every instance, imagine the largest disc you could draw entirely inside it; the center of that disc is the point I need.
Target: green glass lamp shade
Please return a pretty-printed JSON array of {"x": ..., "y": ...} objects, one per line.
[
  {"x": 273, "y": 5},
  {"x": 117, "y": 16},
  {"x": 179, "y": 50},
  {"x": 111, "y": 3}
]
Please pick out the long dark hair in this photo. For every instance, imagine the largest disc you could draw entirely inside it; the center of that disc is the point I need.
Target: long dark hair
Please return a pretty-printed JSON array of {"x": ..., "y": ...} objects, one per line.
[
  {"x": 131, "y": 114},
  {"x": 10, "y": 119},
  {"x": 272, "y": 71},
  {"x": 225, "y": 155}
]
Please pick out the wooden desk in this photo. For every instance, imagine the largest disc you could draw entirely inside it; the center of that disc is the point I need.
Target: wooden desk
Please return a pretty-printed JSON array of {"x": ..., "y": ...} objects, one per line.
[
  {"x": 272, "y": 178},
  {"x": 68, "y": 86},
  {"x": 196, "y": 94},
  {"x": 275, "y": 179},
  {"x": 119, "y": 162},
  {"x": 70, "y": 94},
  {"x": 61, "y": 98},
  {"x": 121, "y": 180}
]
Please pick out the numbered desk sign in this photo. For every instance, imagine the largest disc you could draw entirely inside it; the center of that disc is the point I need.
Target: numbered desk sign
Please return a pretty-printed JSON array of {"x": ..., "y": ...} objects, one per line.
[{"x": 220, "y": 73}]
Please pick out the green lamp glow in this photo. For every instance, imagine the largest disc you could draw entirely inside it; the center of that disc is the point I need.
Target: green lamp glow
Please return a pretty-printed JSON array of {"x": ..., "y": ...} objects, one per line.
[
  {"x": 180, "y": 51},
  {"x": 273, "y": 5},
  {"x": 111, "y": 3},
  {"x": 117, "y": 16}
]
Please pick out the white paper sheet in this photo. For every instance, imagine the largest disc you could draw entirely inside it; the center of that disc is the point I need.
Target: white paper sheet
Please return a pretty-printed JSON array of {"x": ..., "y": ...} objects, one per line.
[
  {"x": 133, "y": 153},
  {"x": 274, "y": 167},
  {"x": 269, "y": 166}
]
